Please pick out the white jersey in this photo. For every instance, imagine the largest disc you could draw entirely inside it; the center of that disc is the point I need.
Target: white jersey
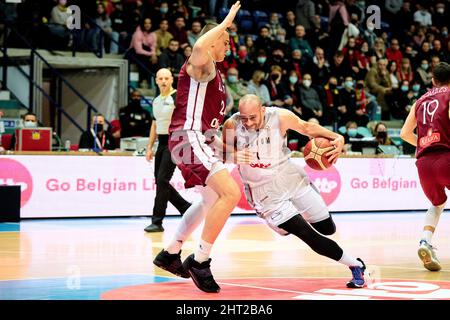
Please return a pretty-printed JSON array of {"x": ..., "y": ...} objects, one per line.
[
  {"x": 162, "y": 111},
  {"x": 268, "y": 146}
]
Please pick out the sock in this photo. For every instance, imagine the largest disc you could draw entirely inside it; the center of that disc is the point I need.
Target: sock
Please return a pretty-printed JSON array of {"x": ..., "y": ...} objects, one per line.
[
  {"x": 350, "y": 261},
  {"x": 203, "y": 251},
  {"x": 192, "y": 218},
  {"x": 189, "y": 222},
  {"x": 431, "y": 220}
]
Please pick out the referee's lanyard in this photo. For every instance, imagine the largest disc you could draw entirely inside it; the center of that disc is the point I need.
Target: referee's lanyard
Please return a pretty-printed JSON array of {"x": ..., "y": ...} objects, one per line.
[{"x": 101, "y": 145}]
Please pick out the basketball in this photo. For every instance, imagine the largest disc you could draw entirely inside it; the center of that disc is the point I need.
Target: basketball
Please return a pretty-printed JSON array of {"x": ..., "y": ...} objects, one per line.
[{"x": 315, "y": 153}]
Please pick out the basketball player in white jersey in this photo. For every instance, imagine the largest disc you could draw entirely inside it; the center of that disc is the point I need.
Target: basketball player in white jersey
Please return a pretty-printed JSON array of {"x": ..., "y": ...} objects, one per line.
[{"x": 277, "y": 188}]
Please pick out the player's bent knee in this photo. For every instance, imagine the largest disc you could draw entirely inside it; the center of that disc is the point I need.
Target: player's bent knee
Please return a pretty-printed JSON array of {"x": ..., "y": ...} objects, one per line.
[{"x": 325, "y": 227}]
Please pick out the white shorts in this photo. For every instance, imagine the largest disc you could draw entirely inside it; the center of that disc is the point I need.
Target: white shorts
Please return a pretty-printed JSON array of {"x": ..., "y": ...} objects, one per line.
[{"x": 288, "y": 194}]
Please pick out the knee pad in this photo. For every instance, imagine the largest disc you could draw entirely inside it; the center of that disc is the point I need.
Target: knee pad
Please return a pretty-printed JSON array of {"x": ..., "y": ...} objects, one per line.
[{"x": 326, "y": 227}]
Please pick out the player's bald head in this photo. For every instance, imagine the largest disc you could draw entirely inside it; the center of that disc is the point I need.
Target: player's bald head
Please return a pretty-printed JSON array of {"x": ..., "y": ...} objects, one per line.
[
  {"x": 163, "y": 72},
  {"x": 250, "y": 102},
  {"x": 251, "y": 111}
]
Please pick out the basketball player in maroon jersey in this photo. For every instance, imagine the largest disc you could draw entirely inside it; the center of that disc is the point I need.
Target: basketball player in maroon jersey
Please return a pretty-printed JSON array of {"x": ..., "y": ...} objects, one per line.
[
  {"x": 431, "y": 115},
  {"x": 200, "y": 110}
]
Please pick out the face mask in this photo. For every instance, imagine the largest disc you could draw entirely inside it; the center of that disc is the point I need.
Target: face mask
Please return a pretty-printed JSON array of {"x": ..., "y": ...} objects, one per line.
[
  {"x": 232, "y": 79},
  {"x": 293, "y": 79},
  {"x": 404, "y": 88},
  {"x": 424, "y": 66},
  {"x": 164, "y": 10},
  {"x": 261, "y": 60},
  {"x": 349, "y": 84},
  {"x": 228, "y": 53},
  {"x": 281, "y": 38},
  {"x": 30, "y": 124},
  {"x": 445, "y": 33},
  {"x": 233, "y": 34},
  {"x": 307, "y": 83},
  {"x": 440, "y": 10},
  {"x": 352, "y": 132},
  {"x": 98, "y": 127},
  {"x": 136, "y": 103},
  {"x": 382, "y": 134},
  {"x": 416, "y": 87},
  {"x": 242, "y": 55},
  {"x": 362, "y": 3},
  {"x": 274, "y": 76},
  {"x": 332, "y": 86}
]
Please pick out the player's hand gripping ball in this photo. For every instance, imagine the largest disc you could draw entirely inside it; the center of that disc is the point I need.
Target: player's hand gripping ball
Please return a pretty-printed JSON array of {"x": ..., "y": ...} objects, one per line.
[{"x": 315, "y": 153}]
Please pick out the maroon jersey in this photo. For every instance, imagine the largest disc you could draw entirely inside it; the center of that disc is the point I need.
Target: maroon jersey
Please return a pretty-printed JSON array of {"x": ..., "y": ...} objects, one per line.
[
  {"x": 433, "y": 124},
  {"x": 200, "y": 106}
]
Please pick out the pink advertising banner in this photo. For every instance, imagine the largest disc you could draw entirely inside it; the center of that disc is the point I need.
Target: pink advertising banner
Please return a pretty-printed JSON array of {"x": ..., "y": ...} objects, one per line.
[{"x": 92, "y": 186}]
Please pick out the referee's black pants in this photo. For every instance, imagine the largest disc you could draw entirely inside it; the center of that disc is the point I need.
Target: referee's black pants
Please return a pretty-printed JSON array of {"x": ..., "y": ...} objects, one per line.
[{"x": 165, "y": 192}]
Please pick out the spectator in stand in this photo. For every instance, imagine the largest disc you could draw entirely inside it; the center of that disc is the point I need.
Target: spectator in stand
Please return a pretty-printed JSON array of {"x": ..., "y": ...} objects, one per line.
[
  {"x": 440, "y": 16},
  {"x": 393, "y": 53},
  {"x": 179, "y": 32},
  {"x": 194, "y": 33},
  {"x": 379, "y": 84},
  {"x": 422, "y": 16},
  {"x": 234, "y": 39},
  {"x": 119, "y": 26},
  {"x": 381, "y": 135},
  {"x": 435, "y": 60},
  {"x": 290, "y": 24},
  {"x": 437, "y": 50},
  {"x": 393, "y": 69},
  {"x": 274, "y": 25},
  {"x": 348, "y": 99},
  {"x": 251, "y": 50},
  {"x": 304, "y": 13},
  {"x": 424, "y": 52},
  {"x": 97, "y": 138},
  {"x": 236, "y": 87},
  {"x": 403, "y": 19},
  {"x": 338, "y": 22},
  {"x": 339, "y": 68},
  {"x": 261, "y": 62},
  {"x": 277, "y": 89},
  {"x": 187, "y": 51},
  {"x": 171, "y": 59},
  {"x": 104, "y": 22},
  {"x": 351, "y": 55},
  {"x": 263, "y": 41},
  {"x": 163, "y": 36},
  {"x": 293, "y": 89},
  {"x": 162, "y": 13},
  {"x": 321, "y": 68},
  {"x": 280, "y": 40},
  {"x": 351, "y": 132},
  {"x": 379, "y": 48},
  {"x": 309, "y": 99},
  {"x": 244, "y": 64},
  {"x": 299, "y": 42},
  {"x": 143, "y": 45},
  {"x": 331, "y": 101},
  {"x": 404, "y": 102},
  {"x": 135, "y": 121},
  {"x": 258, "y": 88},
  {"x": 299, "y": 63},
  {"x": 58, "y": 26},
  {"x": 405, "y": 71},
  {"x": 277, "y": 58},
  {"x": 423, "y": 74}
]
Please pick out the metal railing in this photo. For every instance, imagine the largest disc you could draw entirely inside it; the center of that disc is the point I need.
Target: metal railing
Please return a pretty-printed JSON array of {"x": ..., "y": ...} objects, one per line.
[{"x": 58, "y": 75}]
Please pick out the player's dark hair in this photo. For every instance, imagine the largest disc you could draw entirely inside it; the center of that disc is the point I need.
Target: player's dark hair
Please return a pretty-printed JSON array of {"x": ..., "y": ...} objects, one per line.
[{"x": 441, "y": 73}]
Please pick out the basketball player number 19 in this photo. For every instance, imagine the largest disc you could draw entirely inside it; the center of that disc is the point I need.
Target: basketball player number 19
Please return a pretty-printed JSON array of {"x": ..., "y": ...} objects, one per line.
[{"x": 427, "y": 108}]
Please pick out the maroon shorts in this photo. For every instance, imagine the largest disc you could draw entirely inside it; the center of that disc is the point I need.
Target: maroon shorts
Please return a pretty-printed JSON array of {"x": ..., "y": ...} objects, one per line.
[
  {"x": 193, "y": 156},
  {"x": 434, "y": 175}
]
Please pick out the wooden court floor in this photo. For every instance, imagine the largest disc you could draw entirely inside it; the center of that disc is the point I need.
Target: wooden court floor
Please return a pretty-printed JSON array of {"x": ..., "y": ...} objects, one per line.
[{"x": 111, "y": 258}]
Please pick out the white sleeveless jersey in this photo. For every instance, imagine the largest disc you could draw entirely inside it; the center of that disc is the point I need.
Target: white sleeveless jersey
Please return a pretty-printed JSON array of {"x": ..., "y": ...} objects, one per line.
[{"x": 268, "y": 146}]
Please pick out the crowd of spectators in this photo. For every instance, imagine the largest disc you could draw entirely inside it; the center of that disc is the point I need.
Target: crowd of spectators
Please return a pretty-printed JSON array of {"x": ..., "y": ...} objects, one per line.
[{"x": 321, "y": 59}]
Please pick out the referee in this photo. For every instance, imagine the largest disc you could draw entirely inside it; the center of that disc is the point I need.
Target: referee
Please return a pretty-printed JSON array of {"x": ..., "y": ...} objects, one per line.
[{"x": 163, "y": 106}]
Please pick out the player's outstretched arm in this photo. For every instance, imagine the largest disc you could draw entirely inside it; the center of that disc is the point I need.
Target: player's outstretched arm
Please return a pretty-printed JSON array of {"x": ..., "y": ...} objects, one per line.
[
  {"x": 289, "y": 120},
  {"x": 200, "y": 61},
  {"x": 407, "y": 132}
]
